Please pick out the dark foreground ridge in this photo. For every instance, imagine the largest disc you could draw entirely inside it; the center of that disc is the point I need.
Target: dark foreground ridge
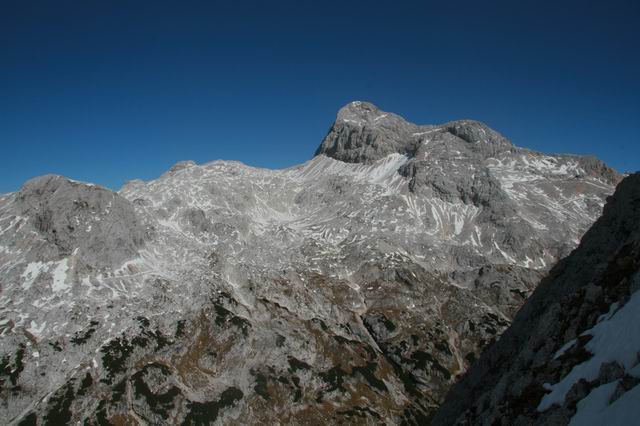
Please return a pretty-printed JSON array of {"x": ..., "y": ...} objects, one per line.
[{"x": 574, "y": 345}]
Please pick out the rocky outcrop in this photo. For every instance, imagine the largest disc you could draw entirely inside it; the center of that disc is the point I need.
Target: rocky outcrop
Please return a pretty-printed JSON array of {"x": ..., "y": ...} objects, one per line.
[
  {"x": 362, "y": 133},
  {"x": 572, "y": 352},
  {"x": 467, "y": 162},
  {"x": 92, "y": 222}
]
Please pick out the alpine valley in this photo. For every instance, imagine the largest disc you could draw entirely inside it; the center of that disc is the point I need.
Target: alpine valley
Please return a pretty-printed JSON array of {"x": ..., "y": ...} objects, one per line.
[{"x": 355, "y": 288}]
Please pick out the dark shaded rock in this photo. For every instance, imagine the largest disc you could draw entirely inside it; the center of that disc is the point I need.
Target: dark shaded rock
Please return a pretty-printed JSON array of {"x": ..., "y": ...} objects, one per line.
[{"x": 565, "y": 303}]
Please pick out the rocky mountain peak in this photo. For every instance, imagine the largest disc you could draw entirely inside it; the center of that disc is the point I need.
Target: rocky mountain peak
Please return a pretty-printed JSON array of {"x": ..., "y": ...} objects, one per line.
[
  {"x": 181, "y": 165},
  {"x": 69, "y": 217},
  {"x": 359, "y": 112},
  {"x": 363, "y": 133}
]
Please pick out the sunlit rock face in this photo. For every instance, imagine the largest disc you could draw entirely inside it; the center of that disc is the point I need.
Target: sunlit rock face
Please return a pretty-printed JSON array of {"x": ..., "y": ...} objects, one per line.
[
  {"x": 572, "y": 354},
  {"x": 354, "y": 288}
]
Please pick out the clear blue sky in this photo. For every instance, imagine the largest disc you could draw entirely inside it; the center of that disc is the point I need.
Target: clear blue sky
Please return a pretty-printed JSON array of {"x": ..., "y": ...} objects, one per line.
[{"x": 106, "y": 91}]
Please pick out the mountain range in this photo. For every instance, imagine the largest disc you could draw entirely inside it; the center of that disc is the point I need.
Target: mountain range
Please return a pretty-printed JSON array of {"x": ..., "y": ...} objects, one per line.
[{"x": 355, "y": 288}]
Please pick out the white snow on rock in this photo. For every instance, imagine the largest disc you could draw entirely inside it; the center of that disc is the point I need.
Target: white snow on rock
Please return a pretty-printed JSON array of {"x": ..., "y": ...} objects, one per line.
[
  {"x": 60, "y": 276},
  {"x": 36, "y": 329},
  {"x": 31, "y": 272},
  {"x": 596, "y": 409},
  {"x": 615, "y": 338}
]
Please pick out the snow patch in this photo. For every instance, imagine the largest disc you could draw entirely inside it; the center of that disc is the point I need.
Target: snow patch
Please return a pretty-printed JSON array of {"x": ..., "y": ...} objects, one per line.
[
  {"x": 32, "y": 271},
  {"x": 36, "y": 329},
  {"x": 615, "y": 338},
  {"x": 60, "y": 276},
  {"x": 595, "y": 410},
  {"x": 503, "y": 253}
]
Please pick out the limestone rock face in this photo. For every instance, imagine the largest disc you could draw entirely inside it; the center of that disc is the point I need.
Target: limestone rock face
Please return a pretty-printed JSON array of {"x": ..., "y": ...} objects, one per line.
[
  {"x": 354, "y": 288},
  {"x": 571, "y": 355},
  {"x": 96, "y": 225},
  {"x": 363, "y": 134}
]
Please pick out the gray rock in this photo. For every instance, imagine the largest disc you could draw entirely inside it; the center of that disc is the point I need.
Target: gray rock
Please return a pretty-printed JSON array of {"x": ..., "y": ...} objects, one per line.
[
  {"x": 610, "y": 372},
  {"x": 97, "y": 224},
  {"x": 625, "y": 385}
]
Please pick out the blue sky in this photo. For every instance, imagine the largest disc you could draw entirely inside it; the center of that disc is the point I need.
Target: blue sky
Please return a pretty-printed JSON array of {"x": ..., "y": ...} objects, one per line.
[{"x": 107, "y": 91}]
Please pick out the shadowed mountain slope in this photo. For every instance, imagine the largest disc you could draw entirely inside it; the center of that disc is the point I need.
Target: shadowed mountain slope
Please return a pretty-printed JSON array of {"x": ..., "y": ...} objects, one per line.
[{"x": 572, "y": 354}]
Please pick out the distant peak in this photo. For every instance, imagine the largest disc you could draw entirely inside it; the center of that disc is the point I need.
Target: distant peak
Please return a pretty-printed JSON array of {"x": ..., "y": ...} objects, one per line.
[
  {"x": 360, "y": 112},
  {"x": 50, "y": 183},
  {"x": 180, "y": 165},
  {"x": 358, "y": 107},
  {"x": 363, "y": 133}
]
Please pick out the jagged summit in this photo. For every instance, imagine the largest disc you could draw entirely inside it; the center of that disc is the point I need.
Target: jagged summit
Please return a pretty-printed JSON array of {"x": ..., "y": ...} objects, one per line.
[
  {"x": 357, "y": 109},
  {"x": 181, "y": 165},
  {"x": 365, "y": 113},
  {"x": 362, "y": 133}
]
